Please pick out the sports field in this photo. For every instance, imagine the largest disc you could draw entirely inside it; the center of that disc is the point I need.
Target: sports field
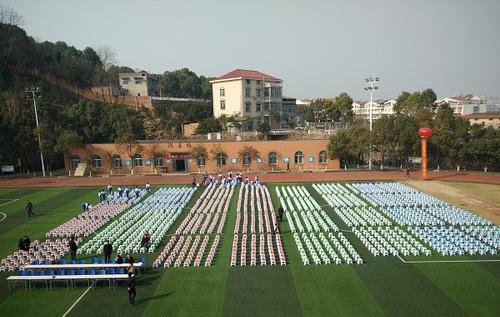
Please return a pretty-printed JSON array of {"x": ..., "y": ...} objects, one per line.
[{"x": 404, "y": 285}]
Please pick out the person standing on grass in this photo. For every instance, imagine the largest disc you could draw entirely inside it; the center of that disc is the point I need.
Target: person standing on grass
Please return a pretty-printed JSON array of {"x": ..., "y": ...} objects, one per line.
[
  {"x": 110, "y": 189},
  {"x": 281, "y": 212},
  {"x": 193, "y": 181},
  {"x": 407, "y": 173},
  {"x": 29, "y": 208},
  {"x": 130, "y": 284},
  {"x": 277, "y": 225},
  {"x": 72, "y": 248},
  {"x": 107, "y": 249}
]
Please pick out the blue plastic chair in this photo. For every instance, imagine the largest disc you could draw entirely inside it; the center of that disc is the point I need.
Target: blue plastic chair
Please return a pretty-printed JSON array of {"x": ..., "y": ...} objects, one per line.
[
  {"x": 45, "y": 262},
  {"x": 81, "y": 272},
  {"x": 71, "y": 272},
  {"x": 31, "y": 273},
  {"x": 101, "y": 261},
  {"x": 111, "y": 271},
  {"x": 81, "y": 261},
  {"x": 41, "y": 273},
  {"x": 21, "y": 273},
  {"x": 91, "y": 272},
  {"x": 36, "y": 262},
  {"x": 72, "y": 262},
  {"x": 93, "y": 260},
  {"x": 62, "y": 261},
  {"x": 120, "y": 270},
  {"x": 112, "y": 261},
  {"x": 101, "y": 272},
  {"x": 50, "y": 272},
  {"x": 61, "y": 272}
]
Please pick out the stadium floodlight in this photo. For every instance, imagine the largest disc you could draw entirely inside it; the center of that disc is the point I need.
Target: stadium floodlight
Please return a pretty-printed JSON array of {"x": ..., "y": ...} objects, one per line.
[{"x": 371, "y": 88}]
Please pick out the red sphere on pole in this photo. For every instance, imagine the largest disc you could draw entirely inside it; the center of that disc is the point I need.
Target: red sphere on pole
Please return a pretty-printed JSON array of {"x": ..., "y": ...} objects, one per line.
[{"x": 425, "y": 132}]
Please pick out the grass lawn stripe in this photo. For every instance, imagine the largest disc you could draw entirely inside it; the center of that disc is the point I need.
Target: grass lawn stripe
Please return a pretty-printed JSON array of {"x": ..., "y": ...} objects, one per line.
[
  {"x": 39, "y": 301},
  {"x": 333, "y": 290},
  {"x": 189, "y": 292},
  {"x": 403, "y": 290},
  {"x": 475, "y": 289},
  {"x": 261, "y": 291}
]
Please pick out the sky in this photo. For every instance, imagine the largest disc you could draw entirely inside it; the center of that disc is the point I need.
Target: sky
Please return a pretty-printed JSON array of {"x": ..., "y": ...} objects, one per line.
[{"x": 319, "y": 48}]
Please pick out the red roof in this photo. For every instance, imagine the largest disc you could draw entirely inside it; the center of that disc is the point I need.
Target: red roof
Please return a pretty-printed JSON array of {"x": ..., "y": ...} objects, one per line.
[{"x": 243, "y": 73}]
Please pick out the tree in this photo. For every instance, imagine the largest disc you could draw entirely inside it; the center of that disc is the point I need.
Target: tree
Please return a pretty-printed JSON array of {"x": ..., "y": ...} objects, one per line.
[
  {"x": 107, "y": 58},
  {"x": 340, "y": 109},
  {"x": 209, "y": 125},
  {"x": 419, "y": 104},
  {"x": 248, "y": 154},
  {"x": 9, "y": 16},
  {"x": 263, "y": 129},
  {"x": 383, "y": 137},
  {"x": 199, "y": 153},
  {"x": 127, "y": 143},
  {"x": 359, "y": 141},
  {"x": 218, "y": 155},
  {"x": 68, "y": 140},
  {"x": 338, "y": 146}
]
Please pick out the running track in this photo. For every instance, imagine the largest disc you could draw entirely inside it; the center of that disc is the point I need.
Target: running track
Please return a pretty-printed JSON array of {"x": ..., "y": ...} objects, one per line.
[{"x": 292, "y": 177}]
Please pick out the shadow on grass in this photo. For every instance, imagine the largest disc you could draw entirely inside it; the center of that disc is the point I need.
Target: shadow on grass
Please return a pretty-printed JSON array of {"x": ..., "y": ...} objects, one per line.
[{"x": 153, "y": 298}]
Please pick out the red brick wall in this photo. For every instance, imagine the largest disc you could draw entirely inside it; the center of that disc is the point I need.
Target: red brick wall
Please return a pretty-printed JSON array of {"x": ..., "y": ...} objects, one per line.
[{"x": 287, "y": 148}]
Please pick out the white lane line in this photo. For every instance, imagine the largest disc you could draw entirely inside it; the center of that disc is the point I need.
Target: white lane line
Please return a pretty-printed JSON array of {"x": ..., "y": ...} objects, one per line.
[
  {"x": 69, "y": 310},
  {"x": 446, "y": 261}
]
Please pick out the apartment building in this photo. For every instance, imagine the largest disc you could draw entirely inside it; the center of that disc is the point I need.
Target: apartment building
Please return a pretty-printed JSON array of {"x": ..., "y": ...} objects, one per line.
[{"x": 247, "y": 93}]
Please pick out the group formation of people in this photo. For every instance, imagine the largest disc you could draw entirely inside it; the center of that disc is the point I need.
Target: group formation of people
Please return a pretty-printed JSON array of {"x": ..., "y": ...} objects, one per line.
[
  {"x": 231, "y": 179},
  {"x": 24, "y": 243}
]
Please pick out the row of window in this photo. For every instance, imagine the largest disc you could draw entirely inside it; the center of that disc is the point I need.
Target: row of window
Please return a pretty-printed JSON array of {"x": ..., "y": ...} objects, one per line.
[
  {"x": 275, "y": 92},
  {"x": 221, "y": 160}
]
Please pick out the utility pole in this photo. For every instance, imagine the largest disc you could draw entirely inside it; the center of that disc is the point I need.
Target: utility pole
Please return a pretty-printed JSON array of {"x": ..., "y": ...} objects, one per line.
[{"x": 32, "y": 95}]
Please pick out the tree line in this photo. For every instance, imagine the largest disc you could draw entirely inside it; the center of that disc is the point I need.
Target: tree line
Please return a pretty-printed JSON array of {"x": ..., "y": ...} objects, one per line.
[{"x": 455, "y": 142}]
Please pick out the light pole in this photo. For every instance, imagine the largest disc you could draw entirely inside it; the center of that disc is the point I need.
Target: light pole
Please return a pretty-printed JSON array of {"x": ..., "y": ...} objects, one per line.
[
  {"x": 33, "y": 92},
  {"x": 372, "y": 82}
]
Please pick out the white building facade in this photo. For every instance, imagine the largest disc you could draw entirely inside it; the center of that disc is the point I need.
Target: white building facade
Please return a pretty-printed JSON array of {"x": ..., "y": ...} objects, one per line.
[
  {"x": 247, "y": 93},
  {"x": 464, "y": 104}
]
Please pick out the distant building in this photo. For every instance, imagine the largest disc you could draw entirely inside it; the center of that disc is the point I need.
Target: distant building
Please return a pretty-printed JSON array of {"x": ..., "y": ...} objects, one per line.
[
  {"x": 488, "y": 119},
  {"x": 247, "y": 93},
  {"x": 464, "y": 104},
  {"x": 378, "y": 107},
  {"x": 138, "y": 84}
]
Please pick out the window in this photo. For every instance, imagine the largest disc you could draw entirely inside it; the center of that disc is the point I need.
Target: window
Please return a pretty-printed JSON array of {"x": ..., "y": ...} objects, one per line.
[
  {"x": 248, "y": 106},
  {"x": 222, "y": 105},
  {"x": 221, "y": 159},
  {"x": 116, "y": 161},
  {"x": 258, "y": 92},
  {"x": 201, "y": 161},
  {"x": 247, "y": 159},
  {"x": 125, "y": 81},
  {"x": 222, "y": 92},
  {"x": 138, "y": 81},
  {"x": 74, "y": 160},
  {"x": 258, "y": 107},
  {"x": 248, "y": 81},
  {"x": 96, "y": 161},
  {"x": 299, "y": 157},
  {"x": 323, "y": 158},
  {"x": 159, "y": 160},
  {"x": 273, "y": 158},
  {"x": 248, "y": 92},
  {"x": 258, "y": 82},
  {"x": 137, "y": 160}
]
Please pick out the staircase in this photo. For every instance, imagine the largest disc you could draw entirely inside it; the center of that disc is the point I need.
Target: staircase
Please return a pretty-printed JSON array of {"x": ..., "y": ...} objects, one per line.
[{"x": 81, "y": 169}]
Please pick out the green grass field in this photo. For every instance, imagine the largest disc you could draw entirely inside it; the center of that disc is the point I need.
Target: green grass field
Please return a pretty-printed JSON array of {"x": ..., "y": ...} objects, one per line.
[{"x": 383, "y": 286}]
